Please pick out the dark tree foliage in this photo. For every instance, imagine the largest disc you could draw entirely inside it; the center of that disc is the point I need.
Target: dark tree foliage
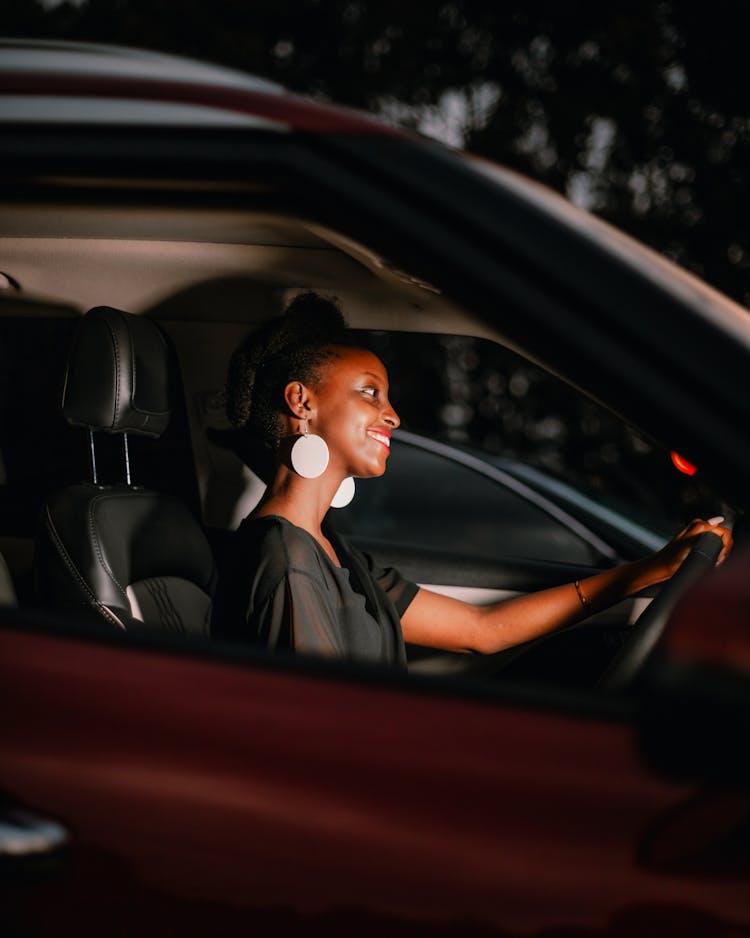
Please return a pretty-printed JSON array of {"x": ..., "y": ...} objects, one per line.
[{"x": 637, "y": 111}]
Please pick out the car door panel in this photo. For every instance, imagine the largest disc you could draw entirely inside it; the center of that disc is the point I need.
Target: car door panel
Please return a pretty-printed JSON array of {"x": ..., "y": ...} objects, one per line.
[
  {"x": 461, "y": 568},
  {"x": 202, "y": 792},
  {"x": 482, "y": 581}
]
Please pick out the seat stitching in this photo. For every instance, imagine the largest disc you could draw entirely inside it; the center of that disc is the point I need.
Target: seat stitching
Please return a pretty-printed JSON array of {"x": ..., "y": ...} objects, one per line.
[
  {"x": 117, "y": 372},
  {"x": 155, "y": 587},
  {"x": 65, "y": 557},
  {"x": 93, "y": 505},
  {"x": 97, "y": 548},
  {"x": 169, "y": 614}
]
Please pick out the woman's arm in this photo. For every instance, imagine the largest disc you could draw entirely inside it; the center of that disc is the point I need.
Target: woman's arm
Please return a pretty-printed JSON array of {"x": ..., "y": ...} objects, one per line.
[{"x": 441, "y": 622}]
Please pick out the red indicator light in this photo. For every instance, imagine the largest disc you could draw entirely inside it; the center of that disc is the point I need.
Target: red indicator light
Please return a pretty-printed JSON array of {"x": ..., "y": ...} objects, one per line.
[{"x": 682, "y": 464}]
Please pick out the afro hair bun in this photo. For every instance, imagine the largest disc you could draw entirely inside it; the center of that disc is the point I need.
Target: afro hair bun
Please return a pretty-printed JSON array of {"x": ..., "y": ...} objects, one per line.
[{"x": 287, "y": 348}]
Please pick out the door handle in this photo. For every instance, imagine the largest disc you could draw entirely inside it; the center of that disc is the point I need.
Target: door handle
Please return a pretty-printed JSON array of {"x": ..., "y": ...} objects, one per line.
[{"x": 25, "y": 835}]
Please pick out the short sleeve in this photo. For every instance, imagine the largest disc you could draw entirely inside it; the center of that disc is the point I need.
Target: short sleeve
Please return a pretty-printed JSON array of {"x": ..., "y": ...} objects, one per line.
[
  {"x": 397, "y": 588},
  {"x": 297, "y": 615}
]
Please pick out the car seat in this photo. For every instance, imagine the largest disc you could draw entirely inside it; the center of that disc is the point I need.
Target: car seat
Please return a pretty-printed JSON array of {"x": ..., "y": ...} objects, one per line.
[
  {"x": 128, "y": 556},
  {"x": 7, "y": 591}
]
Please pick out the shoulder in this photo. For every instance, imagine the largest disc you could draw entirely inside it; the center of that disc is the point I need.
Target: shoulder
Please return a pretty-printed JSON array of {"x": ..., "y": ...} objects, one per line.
[
  {"x": 263, "y": 556},
  {"x": 276, "y": 547}
]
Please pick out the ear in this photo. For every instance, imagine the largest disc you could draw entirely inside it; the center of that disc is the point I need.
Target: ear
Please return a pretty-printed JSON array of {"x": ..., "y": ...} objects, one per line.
[{"x": 300, "y": 400}]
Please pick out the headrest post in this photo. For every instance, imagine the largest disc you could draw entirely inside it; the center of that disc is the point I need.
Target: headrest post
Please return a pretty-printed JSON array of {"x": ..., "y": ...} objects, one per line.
[
  {"x": 127, "y": 458},
  {"x": 92, "y": 454}
]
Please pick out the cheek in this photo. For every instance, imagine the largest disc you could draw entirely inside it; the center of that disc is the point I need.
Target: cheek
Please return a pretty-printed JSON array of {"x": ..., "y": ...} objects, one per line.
[
  {"x": 338, "y": 426},
  {"x": 346, "y": 428},
  {"x": 347, "y": 418}
]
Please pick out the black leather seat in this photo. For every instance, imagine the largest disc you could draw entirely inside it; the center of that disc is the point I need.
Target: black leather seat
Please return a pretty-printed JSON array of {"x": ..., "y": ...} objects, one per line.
[
  {"x": 7, "y": 591},
  {"x": 128, "y": 556}
]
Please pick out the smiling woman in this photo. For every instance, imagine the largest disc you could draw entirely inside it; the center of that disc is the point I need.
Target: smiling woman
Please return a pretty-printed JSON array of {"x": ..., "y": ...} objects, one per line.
[
  {"x": 287, "y": 583},
  {"x": 321, "y": 406}
]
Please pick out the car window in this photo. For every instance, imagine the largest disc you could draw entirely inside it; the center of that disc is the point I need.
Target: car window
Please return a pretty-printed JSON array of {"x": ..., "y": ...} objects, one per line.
[
  {"x": 471, "y": 392},
  {"x": 429, "y": 502}
]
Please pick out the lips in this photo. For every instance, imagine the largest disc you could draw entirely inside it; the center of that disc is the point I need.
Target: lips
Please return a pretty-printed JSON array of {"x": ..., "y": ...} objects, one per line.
[{"x": 382, "y": 436}]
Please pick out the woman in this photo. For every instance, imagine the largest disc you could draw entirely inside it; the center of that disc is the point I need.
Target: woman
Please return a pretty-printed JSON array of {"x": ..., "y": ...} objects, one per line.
[{"x": 320, "y": 404}]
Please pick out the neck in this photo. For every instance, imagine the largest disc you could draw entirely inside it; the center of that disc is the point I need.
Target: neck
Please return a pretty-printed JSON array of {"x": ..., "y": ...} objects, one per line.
[{"x": 304, "y": 502}]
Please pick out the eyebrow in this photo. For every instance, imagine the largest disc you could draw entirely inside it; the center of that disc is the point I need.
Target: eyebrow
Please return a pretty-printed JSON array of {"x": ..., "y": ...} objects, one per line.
[{"x": 377, "y": 378}]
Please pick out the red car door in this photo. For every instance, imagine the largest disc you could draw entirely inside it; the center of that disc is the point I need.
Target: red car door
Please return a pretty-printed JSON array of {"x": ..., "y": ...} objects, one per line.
[{"x": 217, "y": 795}]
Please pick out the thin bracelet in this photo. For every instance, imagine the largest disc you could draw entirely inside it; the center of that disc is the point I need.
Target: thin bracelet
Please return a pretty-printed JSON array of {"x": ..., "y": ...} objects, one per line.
[{"x": 581, "y": 595}]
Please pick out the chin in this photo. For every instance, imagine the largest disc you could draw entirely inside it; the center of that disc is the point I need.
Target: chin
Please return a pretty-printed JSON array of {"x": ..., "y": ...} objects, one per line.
[{"x": 372, "y": 472}]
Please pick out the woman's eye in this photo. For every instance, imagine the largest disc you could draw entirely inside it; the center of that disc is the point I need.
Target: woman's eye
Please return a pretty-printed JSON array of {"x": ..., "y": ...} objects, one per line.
[{"x": 372, "y": 392}]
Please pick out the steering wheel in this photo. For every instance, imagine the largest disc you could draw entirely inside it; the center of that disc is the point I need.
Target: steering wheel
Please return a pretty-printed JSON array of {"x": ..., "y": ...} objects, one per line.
[{"x": 630, "y": 660}]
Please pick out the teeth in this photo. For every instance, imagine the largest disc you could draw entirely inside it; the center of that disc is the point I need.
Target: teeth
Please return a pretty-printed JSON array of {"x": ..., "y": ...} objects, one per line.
[{"x": 381, "y": 437}]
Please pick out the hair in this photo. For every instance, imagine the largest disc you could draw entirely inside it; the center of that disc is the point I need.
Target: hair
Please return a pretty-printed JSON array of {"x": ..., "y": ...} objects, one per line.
[{"x": 291, "y": 347}]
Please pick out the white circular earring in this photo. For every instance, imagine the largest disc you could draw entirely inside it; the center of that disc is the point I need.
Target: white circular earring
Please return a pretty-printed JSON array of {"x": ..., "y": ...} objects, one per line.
[
  {"x": 309, "y": 455},
  {"x": 344, "y": 493}
]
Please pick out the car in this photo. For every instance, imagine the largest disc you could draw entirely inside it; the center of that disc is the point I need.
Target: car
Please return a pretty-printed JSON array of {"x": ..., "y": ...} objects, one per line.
[{"x": 157, "y": 782}]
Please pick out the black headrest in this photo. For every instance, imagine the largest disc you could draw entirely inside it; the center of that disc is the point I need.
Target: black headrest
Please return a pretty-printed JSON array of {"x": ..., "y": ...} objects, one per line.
[{"x": 121, "y": 374}]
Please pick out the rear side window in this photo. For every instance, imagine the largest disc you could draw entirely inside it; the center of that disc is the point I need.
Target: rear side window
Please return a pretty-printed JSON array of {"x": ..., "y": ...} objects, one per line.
[{"x": 429, "y": 502}]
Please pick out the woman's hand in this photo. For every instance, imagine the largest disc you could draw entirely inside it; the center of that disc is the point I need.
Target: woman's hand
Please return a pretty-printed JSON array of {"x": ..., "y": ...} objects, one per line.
[{"x": 664, "y": 563}]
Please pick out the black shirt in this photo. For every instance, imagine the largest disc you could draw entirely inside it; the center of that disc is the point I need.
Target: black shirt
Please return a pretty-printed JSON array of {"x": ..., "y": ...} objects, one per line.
[{"x": 282, "y": 589}]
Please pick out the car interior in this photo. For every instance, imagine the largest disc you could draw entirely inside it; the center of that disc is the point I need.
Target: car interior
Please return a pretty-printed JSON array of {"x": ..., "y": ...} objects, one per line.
[
  {"x": 121, "y": 316},
  {"x": 131, "y": 555}
]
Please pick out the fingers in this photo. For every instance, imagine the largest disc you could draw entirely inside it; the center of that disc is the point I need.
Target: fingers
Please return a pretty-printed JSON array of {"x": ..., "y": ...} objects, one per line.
[
  {"x": 724, "y": 533},
  {"x": 698, "y": 526},
  {"x": 726, "y": 536}
]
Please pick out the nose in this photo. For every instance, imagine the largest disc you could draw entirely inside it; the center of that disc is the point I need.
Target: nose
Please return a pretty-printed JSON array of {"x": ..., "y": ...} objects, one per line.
[{"x": 391, "y": 418}]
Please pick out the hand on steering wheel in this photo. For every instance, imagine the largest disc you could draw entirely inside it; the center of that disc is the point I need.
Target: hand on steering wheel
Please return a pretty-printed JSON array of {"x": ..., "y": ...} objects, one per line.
[
  {"x": 669, "y": 559},
  {"x": 697, "y": 548}
]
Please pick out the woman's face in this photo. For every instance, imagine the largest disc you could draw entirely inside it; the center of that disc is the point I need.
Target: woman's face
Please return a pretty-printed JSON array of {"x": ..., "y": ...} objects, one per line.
[{"x": 354, "y": 415}]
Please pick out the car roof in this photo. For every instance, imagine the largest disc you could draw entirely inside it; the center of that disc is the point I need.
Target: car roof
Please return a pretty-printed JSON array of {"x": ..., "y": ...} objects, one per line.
[
  {"x": 89, "y": 58},
  {"x": 104, "y": 83}
]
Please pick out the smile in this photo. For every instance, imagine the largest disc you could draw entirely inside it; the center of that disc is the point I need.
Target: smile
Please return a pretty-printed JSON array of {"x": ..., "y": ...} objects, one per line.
[{"x": 384, "y": 438}]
